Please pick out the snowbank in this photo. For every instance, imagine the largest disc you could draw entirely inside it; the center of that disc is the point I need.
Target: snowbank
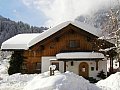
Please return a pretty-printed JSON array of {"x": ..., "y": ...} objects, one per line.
[
  {"x": 4, "y": 66},
  {"x": 11, "y": 82},
  {"x": 110, "y": 83},
  {"x": 4, "y": 61},
  {"x": 65, "y": 81},
  {"x": 15, "y": 81}
]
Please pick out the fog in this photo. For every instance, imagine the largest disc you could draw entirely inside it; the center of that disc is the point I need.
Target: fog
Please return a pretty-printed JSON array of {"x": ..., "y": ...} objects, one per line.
[{"x": 57, "y": 11}]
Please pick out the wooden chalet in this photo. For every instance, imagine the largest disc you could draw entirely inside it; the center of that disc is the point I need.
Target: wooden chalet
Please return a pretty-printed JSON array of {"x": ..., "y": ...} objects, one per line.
[{"x": 70, "y": 46}]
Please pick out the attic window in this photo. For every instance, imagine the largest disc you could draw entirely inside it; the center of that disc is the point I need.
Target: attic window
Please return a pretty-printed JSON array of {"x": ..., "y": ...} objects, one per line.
[{"x": 73, "y": 43}]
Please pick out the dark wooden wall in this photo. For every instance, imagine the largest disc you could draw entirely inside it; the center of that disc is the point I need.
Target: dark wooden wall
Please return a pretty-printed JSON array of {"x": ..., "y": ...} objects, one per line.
[{"x": 59, "y": 42}]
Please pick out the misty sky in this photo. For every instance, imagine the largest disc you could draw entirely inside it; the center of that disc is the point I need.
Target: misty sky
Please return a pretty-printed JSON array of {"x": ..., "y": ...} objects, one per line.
[{"x": 49, "y": 12}]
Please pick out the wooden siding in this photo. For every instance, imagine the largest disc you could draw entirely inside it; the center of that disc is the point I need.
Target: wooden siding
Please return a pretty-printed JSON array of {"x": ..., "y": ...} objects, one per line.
[{"x": 59, "y": 42}]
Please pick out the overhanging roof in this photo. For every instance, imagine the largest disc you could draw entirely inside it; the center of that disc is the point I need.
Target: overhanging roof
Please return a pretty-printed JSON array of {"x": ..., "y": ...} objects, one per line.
[
  {"x": 24, "y": 41},
  {"x": 20, "y": 41},
  {"x": 80, "y": 55}
]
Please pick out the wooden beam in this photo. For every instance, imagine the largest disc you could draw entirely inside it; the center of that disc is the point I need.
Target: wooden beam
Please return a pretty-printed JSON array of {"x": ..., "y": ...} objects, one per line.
[
  {"x": 50, "y": 71},
  {"x": 119, "y": 63},
  {"x": 97, "y": 65},
  {"x": 64, "y": 66},
  {"x": 111, "y": 65}
]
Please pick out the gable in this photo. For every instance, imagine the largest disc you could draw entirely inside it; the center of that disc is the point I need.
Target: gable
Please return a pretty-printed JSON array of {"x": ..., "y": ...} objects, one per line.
[
  {"x": 68, "y": 30},
  {"x": 60, "y": 42},
  {"x": 10, "y": 44}
]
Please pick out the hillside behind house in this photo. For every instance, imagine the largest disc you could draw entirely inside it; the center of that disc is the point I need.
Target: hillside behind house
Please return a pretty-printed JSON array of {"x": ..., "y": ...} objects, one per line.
[{"x": 9, "y": 28}]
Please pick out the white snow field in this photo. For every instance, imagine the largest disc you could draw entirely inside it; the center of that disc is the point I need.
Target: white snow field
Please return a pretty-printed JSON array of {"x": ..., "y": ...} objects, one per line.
[
  {"x": 60, "y": 81},
  {"x": 64, "y": 81},
  {"x": 110, "y": 83},
  {"x": 15, "y": 81},
  {"x": 12, "y": 82}
]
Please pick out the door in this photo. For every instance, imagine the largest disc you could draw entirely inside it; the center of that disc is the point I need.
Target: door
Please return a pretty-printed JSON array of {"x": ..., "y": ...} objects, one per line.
[{"x": 84, "y": 69}]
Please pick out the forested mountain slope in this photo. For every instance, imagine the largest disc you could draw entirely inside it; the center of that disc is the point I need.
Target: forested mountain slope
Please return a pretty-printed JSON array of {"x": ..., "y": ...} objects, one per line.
[{"x": 9, "y": 28}]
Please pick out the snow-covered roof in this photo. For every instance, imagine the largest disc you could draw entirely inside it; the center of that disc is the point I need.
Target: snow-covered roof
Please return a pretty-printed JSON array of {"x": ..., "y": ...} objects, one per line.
[
  {"x": 20, "y": 41},
  {"x": 24, "y": 41},
  {"x": 79, "y": 55}
]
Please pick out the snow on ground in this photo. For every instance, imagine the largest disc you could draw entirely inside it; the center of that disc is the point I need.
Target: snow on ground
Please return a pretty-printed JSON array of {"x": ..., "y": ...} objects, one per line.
[
  {"x": 60, "y": 81},
  {"x": 15, "y": 81},
  {"x": 4, "y": 66},
  {"x": 11, "y": 82},
  {"x": 110, "y": 83}
]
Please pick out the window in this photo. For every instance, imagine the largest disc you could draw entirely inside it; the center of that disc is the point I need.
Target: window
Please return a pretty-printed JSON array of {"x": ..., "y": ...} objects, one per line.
[
  {"x": 24, "y": 66},
  {"x": 57, "y": 65},
  {"x": 38, "y": 66},
  {"x": 73, "y": 43},
  {"x": 72, "y": 63},
  {"x": 83, "y": 69},
  {"x": 92, "y": 68}
]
